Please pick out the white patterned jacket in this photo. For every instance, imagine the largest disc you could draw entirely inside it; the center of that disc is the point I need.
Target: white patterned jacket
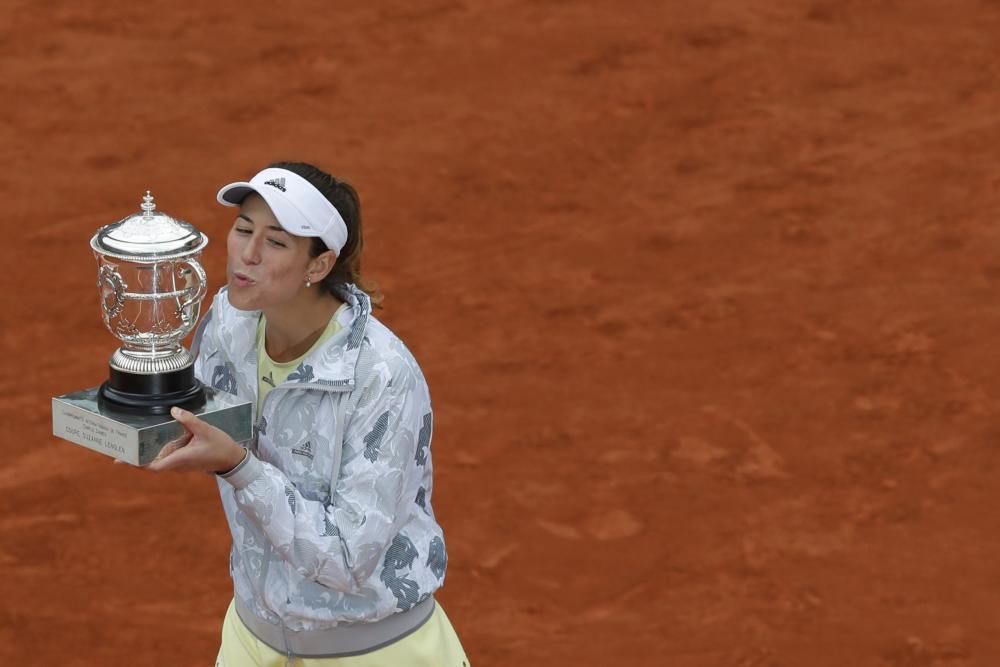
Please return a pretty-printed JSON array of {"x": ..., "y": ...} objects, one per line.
[{"x": 327, "y": 533}]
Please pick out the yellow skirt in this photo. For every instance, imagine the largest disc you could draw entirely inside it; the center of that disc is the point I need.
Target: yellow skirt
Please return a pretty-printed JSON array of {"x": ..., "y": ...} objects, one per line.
[{"x": 434, "y": 644}]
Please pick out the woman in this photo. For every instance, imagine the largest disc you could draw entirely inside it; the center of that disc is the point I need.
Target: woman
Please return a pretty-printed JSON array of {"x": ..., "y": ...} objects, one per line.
[{"x": 336, "y": 553}]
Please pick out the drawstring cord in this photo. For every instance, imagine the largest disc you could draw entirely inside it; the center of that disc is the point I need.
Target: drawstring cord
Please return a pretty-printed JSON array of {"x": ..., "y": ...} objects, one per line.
[{"x": 289, "y": 658}]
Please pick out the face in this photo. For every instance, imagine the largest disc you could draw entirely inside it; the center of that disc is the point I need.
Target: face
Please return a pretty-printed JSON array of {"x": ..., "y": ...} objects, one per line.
[{"x": 267, "y": 267}]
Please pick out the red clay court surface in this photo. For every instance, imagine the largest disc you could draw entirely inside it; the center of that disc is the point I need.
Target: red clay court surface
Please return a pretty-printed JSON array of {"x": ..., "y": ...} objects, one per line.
[{"x": 705, "y": 291}]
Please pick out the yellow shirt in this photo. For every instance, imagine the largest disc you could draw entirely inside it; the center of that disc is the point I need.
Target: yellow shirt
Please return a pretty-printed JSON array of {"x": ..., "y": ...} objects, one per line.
[{"x": 272, "y": 373}]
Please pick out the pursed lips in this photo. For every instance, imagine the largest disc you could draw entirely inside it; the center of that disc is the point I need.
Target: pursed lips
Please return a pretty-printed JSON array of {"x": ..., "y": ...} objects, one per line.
[{"x": 244, "y": 277}]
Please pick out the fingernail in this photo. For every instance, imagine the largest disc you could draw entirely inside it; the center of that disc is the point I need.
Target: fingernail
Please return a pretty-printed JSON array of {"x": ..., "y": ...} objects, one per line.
[{"x": 175, "y": 412}]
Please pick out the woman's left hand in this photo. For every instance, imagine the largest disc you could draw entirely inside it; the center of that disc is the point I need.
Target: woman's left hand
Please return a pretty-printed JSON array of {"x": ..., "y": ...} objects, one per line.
[{"x": 203, "y": 448}]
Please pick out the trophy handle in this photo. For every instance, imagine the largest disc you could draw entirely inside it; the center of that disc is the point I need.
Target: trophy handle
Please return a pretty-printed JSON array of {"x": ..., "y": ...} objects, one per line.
[
  {"x": 199, "y": 292},
  {"x": 110, "y": 278}
]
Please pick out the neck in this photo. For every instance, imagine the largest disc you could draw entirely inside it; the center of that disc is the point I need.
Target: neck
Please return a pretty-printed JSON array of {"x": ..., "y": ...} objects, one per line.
[{"x": 294, "y": 327}]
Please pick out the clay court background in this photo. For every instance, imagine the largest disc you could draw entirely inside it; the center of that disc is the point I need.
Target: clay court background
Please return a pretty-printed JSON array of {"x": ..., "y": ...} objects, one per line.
[{"x": 706, "y": 292}]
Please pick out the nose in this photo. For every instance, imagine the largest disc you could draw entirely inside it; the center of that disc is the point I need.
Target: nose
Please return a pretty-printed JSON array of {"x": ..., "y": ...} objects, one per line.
[{"x": 251, "y": 250}]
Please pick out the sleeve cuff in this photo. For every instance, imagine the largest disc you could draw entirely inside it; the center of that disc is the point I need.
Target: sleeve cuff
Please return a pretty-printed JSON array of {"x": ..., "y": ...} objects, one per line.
[{"x": 245, "y": 471}]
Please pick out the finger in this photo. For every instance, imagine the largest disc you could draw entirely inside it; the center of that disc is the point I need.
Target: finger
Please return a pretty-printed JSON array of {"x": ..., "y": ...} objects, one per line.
[
  {"x": 179, "y": 460},
  {"x": 165, "y": 452},
  {"x": 176, "y": 443},
  {"x": 163, "y": 461},
  {"x": 189, "y": 421},
  {"x": 173, "y": 446}
]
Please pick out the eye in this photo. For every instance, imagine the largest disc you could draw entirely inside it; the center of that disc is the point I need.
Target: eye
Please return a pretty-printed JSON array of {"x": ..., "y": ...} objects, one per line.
[
  {"x": 243, "y": 230},
  {"x": 276, "y": 243}
]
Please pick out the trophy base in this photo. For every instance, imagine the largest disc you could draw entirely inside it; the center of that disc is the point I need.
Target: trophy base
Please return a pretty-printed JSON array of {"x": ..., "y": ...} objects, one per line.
[
  {"x": 150, "y": 404},
  {"x": 84, "y": 418},
  {"x": 152, "y": 393}
]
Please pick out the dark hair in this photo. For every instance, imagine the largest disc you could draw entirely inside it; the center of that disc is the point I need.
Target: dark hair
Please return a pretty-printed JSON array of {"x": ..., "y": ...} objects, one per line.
[{"x": 345, "y": 199}]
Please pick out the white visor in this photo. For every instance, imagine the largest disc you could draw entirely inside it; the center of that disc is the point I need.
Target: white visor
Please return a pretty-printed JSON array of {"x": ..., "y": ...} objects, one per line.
[{"x": 300, "y": 208}]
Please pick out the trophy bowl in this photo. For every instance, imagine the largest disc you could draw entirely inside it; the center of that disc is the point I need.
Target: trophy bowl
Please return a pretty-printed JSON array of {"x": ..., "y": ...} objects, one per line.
[{"x": 151, "y": 287}]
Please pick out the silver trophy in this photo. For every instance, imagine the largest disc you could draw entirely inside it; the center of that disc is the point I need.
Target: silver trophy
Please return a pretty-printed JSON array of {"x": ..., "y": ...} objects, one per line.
[{"x": 151, "y": 287}]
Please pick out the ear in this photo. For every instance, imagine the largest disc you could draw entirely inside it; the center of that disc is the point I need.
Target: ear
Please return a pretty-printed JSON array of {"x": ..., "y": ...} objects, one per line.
[{"x": 319, "y": 267}]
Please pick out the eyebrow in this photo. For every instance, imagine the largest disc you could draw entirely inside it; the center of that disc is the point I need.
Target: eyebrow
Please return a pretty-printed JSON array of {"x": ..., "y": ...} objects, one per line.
[{"x": 250, "y": 220}]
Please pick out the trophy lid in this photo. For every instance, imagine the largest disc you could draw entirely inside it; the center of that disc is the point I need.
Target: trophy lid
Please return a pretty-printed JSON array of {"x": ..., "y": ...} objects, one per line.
[{"x": 148, "y": 236}]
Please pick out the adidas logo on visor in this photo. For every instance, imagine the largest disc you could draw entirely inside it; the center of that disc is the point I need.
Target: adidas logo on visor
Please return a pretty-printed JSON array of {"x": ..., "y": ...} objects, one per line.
[{"x": 277, "y": 183}]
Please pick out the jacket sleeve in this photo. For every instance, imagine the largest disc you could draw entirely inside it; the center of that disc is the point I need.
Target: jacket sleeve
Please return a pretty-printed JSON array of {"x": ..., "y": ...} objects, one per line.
[{"x": 339, "y": 544}]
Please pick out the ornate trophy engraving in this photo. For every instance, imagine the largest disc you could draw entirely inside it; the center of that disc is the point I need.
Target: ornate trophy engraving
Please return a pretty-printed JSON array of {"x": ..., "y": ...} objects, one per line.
[{"x": 151, "y": 286}]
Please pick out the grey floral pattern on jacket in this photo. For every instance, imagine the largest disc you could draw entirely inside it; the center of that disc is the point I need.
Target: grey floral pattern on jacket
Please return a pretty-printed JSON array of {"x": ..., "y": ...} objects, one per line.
[{"x": 327, "y": 533}]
